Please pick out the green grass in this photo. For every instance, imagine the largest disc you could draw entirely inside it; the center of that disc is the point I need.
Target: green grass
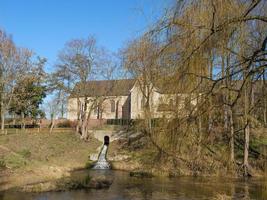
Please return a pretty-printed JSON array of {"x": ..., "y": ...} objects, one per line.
[
  {"x": 25, "y": 153},
  {"x": 89, "y": 164},
  {"x": 15, "y": 161},
  {"x": 2, "y": 163},
  {"x": 61, "y": 148}
]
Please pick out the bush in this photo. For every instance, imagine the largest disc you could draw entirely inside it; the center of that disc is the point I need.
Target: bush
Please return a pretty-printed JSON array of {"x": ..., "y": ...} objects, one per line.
[
  {"x": 89, "y": 164},
  {"x": 26, "y": 153},
  {"x": 121, "y": 122},
  {"x": 74, "y": 184},
  {"x": 66, "y": 124},
  {"x": 140, "y": 174},
  {"x": 2, "y": 164}
]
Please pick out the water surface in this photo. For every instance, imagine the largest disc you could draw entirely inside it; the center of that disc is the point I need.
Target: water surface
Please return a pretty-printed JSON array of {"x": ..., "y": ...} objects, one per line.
[{"x": 125, "y": 187}]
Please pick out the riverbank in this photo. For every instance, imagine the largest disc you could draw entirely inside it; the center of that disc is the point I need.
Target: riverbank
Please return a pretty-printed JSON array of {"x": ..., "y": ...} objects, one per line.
[
  {"x": 30, "y": 158},
  {"x": 141, "y": 156},
  {"x": 125, "y": 187},
  {"x": 41, "y": 159}
]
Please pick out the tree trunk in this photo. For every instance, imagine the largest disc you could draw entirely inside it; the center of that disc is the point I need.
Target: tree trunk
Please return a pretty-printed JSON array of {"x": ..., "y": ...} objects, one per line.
[
  {"x": 62, "y": 111},
  {"x": 2, "y": 116},
  {"x": 265, "y": 112},
  {"x": 147, "y": 110},
  {"x": 232, "y": 139},
  {"x": 117, "y": 110},
  {"x": 40, "y": 125},
  {"x": 210, "y": 98},
  {"x": 2, "y": 121},
  {"x": 199, "y": 123},
  {"x": 78, "y": 116},
  {"x": 246, "y": 148},
  {"x": 14, "y": 120},
  {"x": 52, "y": 125},
  {"x": 252, "y": 103},
  {"x": 22, "y": 121},
  {"x": 200, "y": 136},
  {"x": 230, "y": 112},
  {"x": 86, "y": 124},
  {"x": 224, "y": 96},
  {"x": 225, "y": 119},
  {"x": 84, "y": 134},
  {"x": 264, "y": 100},
  {"x": 84, "y": 130},
  {"x": 246, "y": 131}
]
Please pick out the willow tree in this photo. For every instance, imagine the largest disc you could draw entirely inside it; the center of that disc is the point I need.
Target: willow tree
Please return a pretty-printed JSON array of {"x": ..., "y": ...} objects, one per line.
[{"x": 218, "y": 50}]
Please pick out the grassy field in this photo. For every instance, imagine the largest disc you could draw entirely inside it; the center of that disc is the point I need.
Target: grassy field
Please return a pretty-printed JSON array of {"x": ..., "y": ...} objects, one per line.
[{"x": 38, "y": 156}]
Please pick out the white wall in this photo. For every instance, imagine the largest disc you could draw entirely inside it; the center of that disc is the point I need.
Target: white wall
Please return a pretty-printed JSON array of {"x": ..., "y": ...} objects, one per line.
[
  {"x": 136, "y": 96},
  {"x": 106, "y": 107},
  {"x": 156, "y": 99}
]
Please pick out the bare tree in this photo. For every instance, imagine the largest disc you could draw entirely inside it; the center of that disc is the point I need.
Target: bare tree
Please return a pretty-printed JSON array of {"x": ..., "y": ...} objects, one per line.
[
  {"x": 53, "y": 108},
  {"x": 80, "y": 61},
  {"x": 140, "y": 59},
  {"x": 14, "y": 62}
]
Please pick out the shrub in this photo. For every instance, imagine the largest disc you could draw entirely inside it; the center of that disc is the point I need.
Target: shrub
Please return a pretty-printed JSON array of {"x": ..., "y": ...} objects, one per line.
[
  {"x": 89, "y": 164},
  {"x": 2, "y": 163},
  {"x": 26, "y": 153},
  {"x": 66, "y": 124},
  {"x": 141, "y": 174}
]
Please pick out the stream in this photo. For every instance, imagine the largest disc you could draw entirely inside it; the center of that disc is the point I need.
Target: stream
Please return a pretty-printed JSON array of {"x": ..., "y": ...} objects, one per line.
[
  {"x": 102, "y": 162},
  {"x": 125, "y": 187}
]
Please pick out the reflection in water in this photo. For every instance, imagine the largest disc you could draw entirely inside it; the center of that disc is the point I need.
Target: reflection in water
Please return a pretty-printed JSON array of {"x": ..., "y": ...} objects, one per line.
[{"x": 125, "y": 187}]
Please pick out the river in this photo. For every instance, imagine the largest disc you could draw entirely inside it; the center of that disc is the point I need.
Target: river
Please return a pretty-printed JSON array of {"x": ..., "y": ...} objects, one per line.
[{"x": 125, "y": 187}]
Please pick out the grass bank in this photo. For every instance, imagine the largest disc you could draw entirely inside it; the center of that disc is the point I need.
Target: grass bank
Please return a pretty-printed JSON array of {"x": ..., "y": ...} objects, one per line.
[
  {"x": 140, "y": 155},
  {"x": 33, "y": 156}
]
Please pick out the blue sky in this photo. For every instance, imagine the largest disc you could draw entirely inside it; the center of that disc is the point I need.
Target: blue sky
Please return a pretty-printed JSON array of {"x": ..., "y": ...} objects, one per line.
[{"x": 45, "y": 25}]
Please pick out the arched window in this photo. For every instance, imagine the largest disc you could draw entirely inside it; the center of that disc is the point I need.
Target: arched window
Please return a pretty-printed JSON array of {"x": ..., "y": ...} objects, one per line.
[{"x": 112, "y": 105}]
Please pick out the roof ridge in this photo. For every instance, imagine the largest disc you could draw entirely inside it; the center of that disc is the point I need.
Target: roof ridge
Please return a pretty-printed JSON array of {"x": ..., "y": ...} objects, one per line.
[{"x": 114, "y": 87}]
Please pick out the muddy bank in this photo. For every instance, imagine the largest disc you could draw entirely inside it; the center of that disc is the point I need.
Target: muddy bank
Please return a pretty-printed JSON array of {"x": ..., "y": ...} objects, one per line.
[
  {"x": 68, "y": 183},
  {"x": 64, "y": 179},
  {"x": 42, "y": 174}
]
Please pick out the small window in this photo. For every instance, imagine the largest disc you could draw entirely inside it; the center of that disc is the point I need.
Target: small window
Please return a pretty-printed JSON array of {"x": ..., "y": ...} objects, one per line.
[{"x": 112, "y": 105}]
